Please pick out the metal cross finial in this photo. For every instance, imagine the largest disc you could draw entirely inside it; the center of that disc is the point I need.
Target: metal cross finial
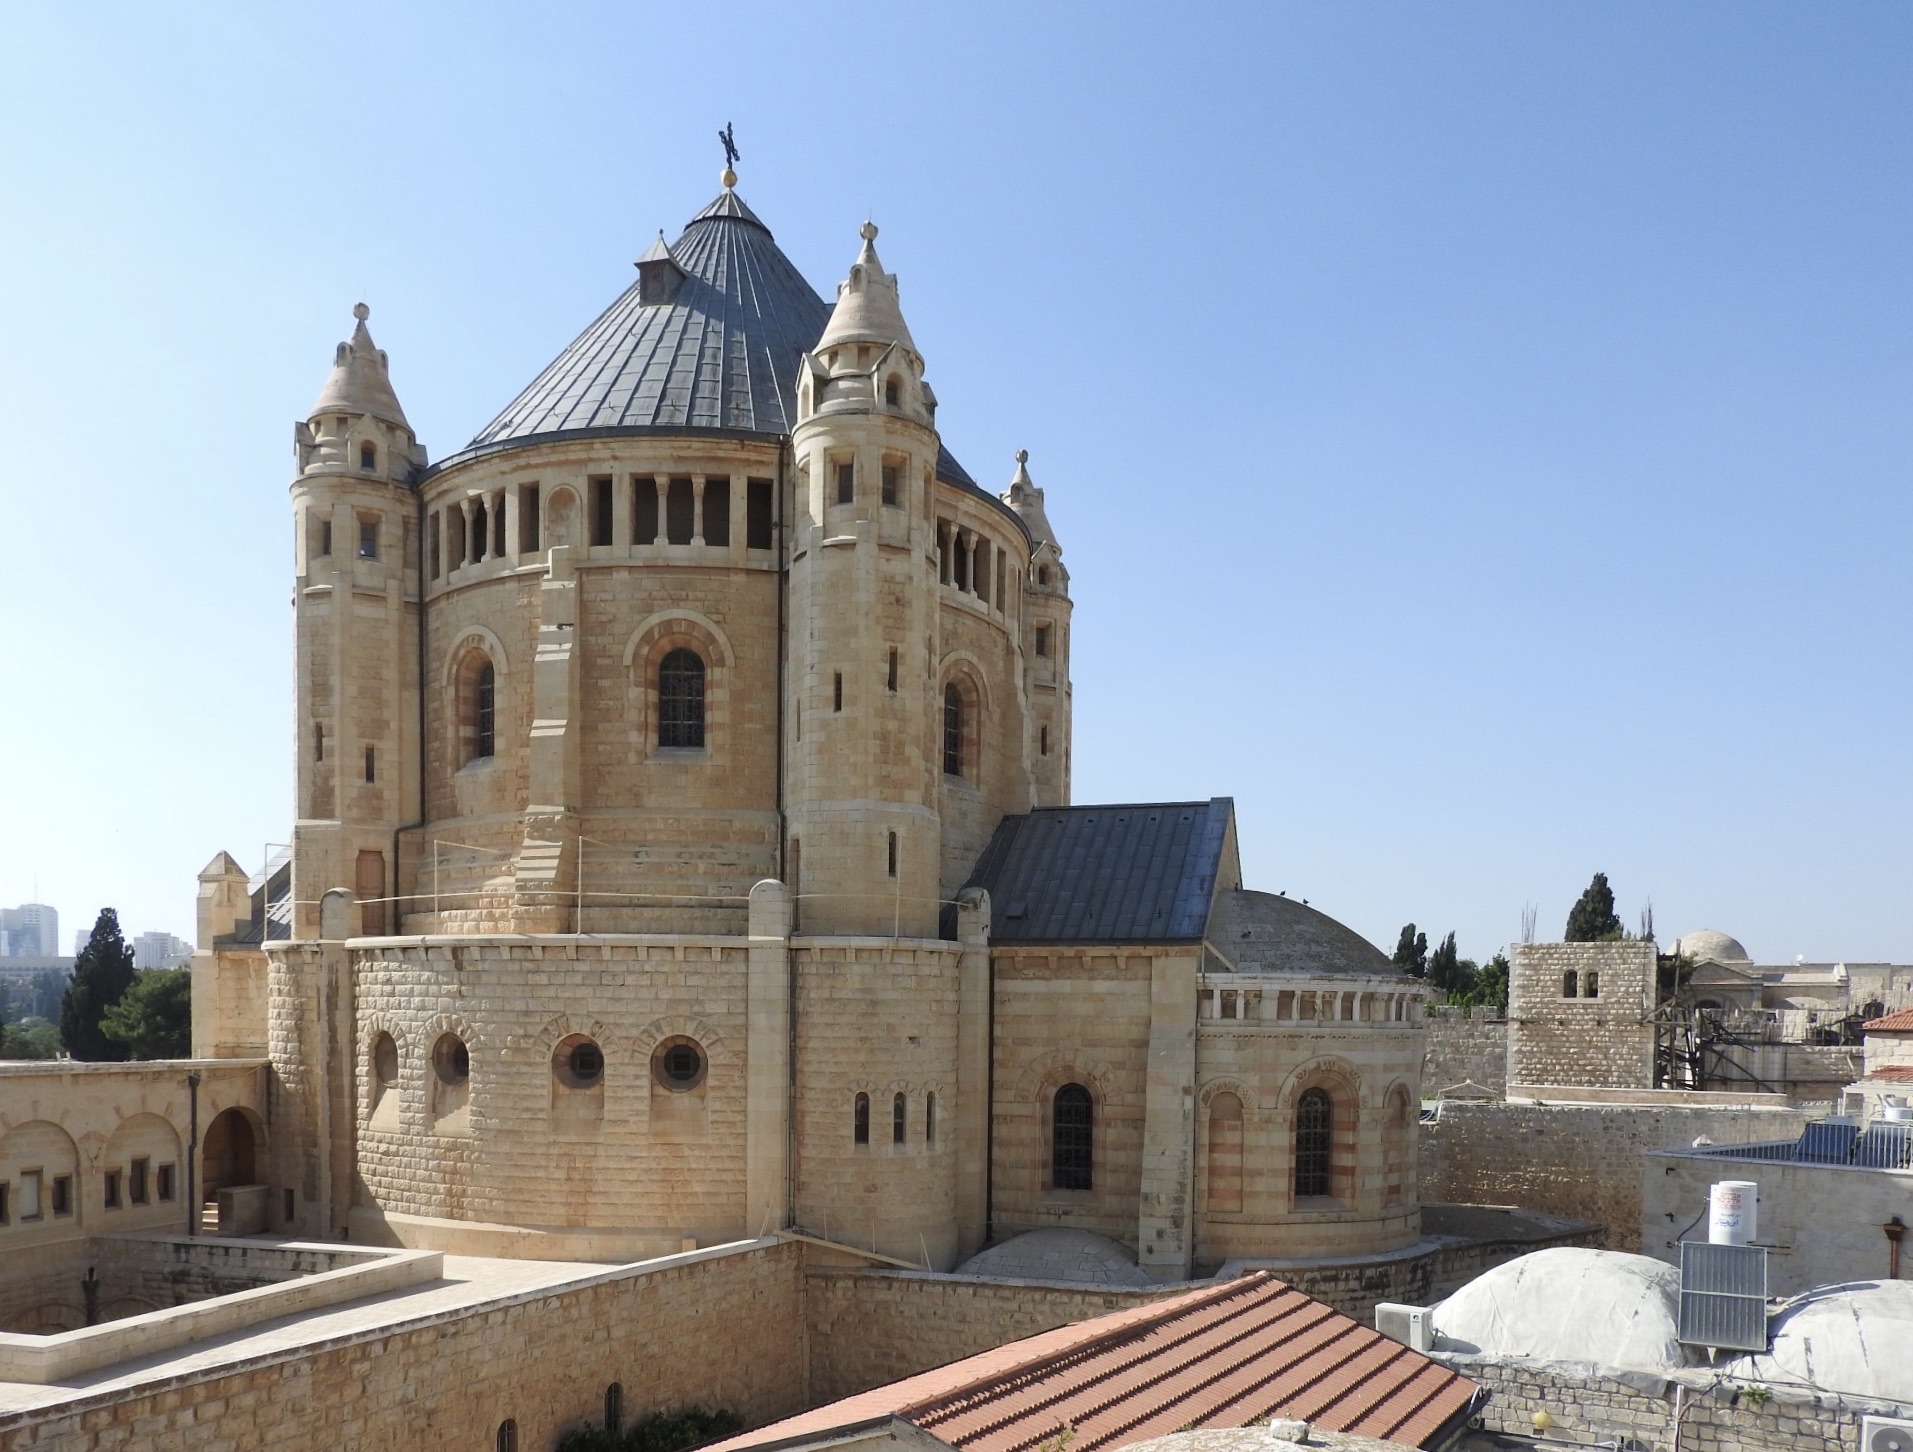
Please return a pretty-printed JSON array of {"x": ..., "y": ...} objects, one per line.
[{"x": 730, "y": 145}]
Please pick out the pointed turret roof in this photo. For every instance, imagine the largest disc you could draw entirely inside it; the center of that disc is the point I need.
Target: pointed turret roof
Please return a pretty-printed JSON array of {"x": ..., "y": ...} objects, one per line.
[
  {"x": 721, "y": 353},
  {"x": 868, "y": 309},
  {"x": 360, "y": 381},
  {"x": 1027, "y": 500}
]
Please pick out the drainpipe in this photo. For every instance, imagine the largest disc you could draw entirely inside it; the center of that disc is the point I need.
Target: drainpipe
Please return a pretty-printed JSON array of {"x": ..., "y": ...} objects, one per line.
[
  {"x": 1894, "y": 1229},
  {"x": 192, "y": 1155}
]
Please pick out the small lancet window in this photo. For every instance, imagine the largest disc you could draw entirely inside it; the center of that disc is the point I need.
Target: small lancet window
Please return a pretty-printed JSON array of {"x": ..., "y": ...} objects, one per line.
[
  {"x": 891, "y": 680},
  {"x": 837, "y": 692},
  {"x": 318, "y": 741},
  {"x": 952, "y": 730},
  {"x": 846, "y": 483},
  {"x": 891, "y": 393},
  {"x": 371, "y": 765},
  {"x": 893, "y": 854},
  {"x": 681, "y": 699},
  {"x": 899, "y": 1119},
  {"x": 484, "y": 711},
  {"x": 860, "y": 1123},
  {"x": 1591, "y": 984},
  {"x": 368, "y": 457},
  {"x": 1072, "y": 1138},
  {"x": 890, "y": 472},
  {"x": 1570, "y": 983},
  {"x": 368, "y": 539},
  {"x": 930, "y": 1118}
]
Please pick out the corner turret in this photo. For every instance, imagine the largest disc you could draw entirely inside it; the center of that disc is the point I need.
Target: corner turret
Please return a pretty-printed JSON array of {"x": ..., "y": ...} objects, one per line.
[
  {"x": 356, "y": 602},
  {"x": 1046, "y": 622}
]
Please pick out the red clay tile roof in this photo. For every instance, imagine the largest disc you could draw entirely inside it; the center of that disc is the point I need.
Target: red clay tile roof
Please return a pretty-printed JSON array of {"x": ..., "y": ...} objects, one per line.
[
  {"x": 1900, "y": 1022},
  {"x": 1892, "y": 1074},
  {"x": 1222, "y": 1356}
]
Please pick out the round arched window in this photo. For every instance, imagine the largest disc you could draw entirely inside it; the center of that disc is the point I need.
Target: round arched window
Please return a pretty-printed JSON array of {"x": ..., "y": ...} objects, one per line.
[
  {"x": 678, "y": 1065},
  {"x": 578, "y": 1062},
  {"x": 451, "y": 1061}
]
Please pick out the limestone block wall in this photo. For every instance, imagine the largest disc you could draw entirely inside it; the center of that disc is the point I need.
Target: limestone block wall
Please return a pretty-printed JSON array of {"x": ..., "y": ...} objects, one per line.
[
  {"x": 1589, "y": 1408},
  {"x": 1822, "y": 1222},
  {"x": 1579, "y": 1161},
  {"x": 1603, "y": 1038},
  {"x": 978, "y": 647},
  {"x": 520, "y": 1146},
  {"x": 1369, "y": 1063},
  {"x": 1069, "y": 1015},
  {"x": 878, "y": 1017},
  {"x": 1465, "y": 1046},
  {"x": 717, "y": 1328},
  {"x": 866, "y": 1327},
  {"x": 229, "y": 1003}
]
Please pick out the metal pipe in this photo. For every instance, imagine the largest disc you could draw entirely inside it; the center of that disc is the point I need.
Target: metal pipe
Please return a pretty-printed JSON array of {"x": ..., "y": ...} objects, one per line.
[
  {"x": 192, "y": 1155},
  {"x": 1894, "y": 1228}
]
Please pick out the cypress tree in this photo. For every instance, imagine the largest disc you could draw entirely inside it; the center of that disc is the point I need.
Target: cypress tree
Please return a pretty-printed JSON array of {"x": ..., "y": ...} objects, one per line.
[
  {"x": 1592, "y": 919},
  {"x": 1411, "y": 952},
  {"x": 101, "y": 975}
]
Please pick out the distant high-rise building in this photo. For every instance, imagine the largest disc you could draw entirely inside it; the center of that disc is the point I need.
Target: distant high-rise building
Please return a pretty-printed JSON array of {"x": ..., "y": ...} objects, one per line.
[
  {"x": 31, "y": 930},
  {"x": 160, "y": 950}
]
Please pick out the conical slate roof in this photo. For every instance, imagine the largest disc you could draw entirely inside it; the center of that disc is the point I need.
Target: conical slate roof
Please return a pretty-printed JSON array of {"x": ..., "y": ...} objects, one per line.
[
  {"x": 360, "y": 381},
  {"x": 721, "y": 353}
]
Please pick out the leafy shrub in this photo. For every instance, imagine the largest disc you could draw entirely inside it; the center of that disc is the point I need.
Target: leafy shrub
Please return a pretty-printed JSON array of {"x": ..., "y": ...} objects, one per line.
[{"x": 665, "y": 1432}]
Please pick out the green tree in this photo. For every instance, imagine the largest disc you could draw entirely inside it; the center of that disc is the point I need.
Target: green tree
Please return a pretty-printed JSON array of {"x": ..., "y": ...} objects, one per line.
[
  {"x": 1592, "y": 919},
  {"x": 154, "y": 1019},
  {"x": 1490, "y": 988},
  {"x": 101, "y": 975},
  {"x": 30, "y": 1038},
  {"x": 1411, "y": 952}
]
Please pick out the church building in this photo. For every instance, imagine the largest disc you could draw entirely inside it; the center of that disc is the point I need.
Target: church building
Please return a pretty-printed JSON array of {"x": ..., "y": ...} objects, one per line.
[{"x": 684, "y": 847}]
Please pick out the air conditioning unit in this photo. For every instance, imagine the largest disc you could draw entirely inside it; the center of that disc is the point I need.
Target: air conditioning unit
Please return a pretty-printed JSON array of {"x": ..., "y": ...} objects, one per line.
[
  {"x": 1886, "y": 1434},
  {"x": 1414, "y": 1327}
]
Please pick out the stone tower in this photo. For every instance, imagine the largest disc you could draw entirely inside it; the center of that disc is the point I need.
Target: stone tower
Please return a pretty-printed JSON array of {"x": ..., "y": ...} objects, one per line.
[
  {"x": 1045, "y": 643},
  {"x": 865, "y": 839},
  {"x": 355, "y": 611}
]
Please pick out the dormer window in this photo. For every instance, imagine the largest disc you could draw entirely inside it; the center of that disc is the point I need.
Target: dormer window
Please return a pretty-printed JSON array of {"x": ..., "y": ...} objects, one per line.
[
  {"x": 658, "y": 274},
  {"x": 892, "y": 392},
  {"x": 368, "y": 457}
]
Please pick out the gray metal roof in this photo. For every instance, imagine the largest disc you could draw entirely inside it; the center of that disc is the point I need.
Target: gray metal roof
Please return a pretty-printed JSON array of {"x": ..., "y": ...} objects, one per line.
[
  {"x": 1118, "y": 874},
  {"x": 721, "y": 354}
]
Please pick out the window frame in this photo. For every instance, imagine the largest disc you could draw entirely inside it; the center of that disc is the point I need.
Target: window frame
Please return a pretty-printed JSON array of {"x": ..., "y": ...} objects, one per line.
[
  {"x": 683, "y": 697},
  {"x": 1072, "y": 1138},
  {"x": 1314, "y": 1177}
]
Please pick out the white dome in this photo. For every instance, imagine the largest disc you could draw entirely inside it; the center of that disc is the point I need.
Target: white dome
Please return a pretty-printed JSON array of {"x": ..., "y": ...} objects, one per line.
[
  {"x": 1708, "y": 946},
  {"x": 1059, "y": 1254},
  {"x": 1569, "y": 1304},
  {"x": 1851, "y": 1339}
]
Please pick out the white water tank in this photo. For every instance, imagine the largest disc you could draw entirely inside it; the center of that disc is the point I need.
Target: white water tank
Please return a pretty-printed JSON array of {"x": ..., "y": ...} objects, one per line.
[
  {"x": 1895, "y": 1110},
  {"x": 1733, "y": 1212}
]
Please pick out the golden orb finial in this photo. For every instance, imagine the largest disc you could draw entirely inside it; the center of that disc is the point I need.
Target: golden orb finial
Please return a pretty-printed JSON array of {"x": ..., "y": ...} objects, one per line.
[
  {"x": 727, "y": 177},
  {"x": 361, "y": 311}
]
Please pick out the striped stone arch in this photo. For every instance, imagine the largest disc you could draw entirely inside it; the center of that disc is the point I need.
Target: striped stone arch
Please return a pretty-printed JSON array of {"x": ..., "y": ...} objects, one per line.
[
  {"x": 474, "y": 638},
  {"x": 1228, "y": 1084}
]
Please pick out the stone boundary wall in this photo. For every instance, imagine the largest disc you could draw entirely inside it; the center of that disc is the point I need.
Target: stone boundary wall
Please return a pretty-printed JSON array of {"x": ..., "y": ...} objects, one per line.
[
  {"x": 1589, "y": 1408},
  {"x": 1464, "y": 1046},
  {"x": 870, "y": 1327},
  {"x": 722, "y": 1327},
  {"x": 1579, "y": 1161}
]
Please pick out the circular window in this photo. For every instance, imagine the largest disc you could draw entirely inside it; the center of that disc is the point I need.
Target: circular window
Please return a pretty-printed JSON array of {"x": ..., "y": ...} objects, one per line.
[
  {"x": 385, "y": 1059},
  {"x": 578, "y": 1062},
  {"x": 451, "y": 1061},
  {"x": 678, "y": 1064}
]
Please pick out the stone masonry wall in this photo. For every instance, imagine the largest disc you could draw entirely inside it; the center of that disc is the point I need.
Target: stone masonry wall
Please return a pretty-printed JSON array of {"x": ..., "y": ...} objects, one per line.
[
  {"x": 722, "y": 1329},
  {"x": 1580, "y": 1161},
  {"x": 1590, "y": 1409},
  {"x": 870, "y": 1327},
  {"x": 1604, "y": 1040},
  {"x": 1465, "y": 1046}
]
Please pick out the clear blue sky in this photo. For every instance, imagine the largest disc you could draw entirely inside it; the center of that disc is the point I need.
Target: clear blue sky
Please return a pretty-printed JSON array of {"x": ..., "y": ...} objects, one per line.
[{"x": 1479, "y": 432}]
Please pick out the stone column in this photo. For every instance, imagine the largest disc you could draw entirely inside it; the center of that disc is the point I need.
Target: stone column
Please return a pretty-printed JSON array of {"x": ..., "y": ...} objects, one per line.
[
  {"x": 1163, "y": 1239},
  {"x": 767, "y": 1061},
  {"x": 697, "y": 509}
]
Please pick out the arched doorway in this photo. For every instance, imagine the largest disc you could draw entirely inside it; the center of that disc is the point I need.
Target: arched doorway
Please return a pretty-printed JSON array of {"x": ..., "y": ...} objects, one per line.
[{"x": 229, "y": 1157}]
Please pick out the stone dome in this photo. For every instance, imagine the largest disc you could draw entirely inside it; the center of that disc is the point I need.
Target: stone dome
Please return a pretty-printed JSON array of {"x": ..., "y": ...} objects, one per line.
[
  {"x": 1850, "y": 1339},
  {"x": 1081, "y": 1257},
  {"x": 1707, "y": 946},
  {"x": 1569, "y": 1304},
  {"x": 1260, "y": 932}
]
